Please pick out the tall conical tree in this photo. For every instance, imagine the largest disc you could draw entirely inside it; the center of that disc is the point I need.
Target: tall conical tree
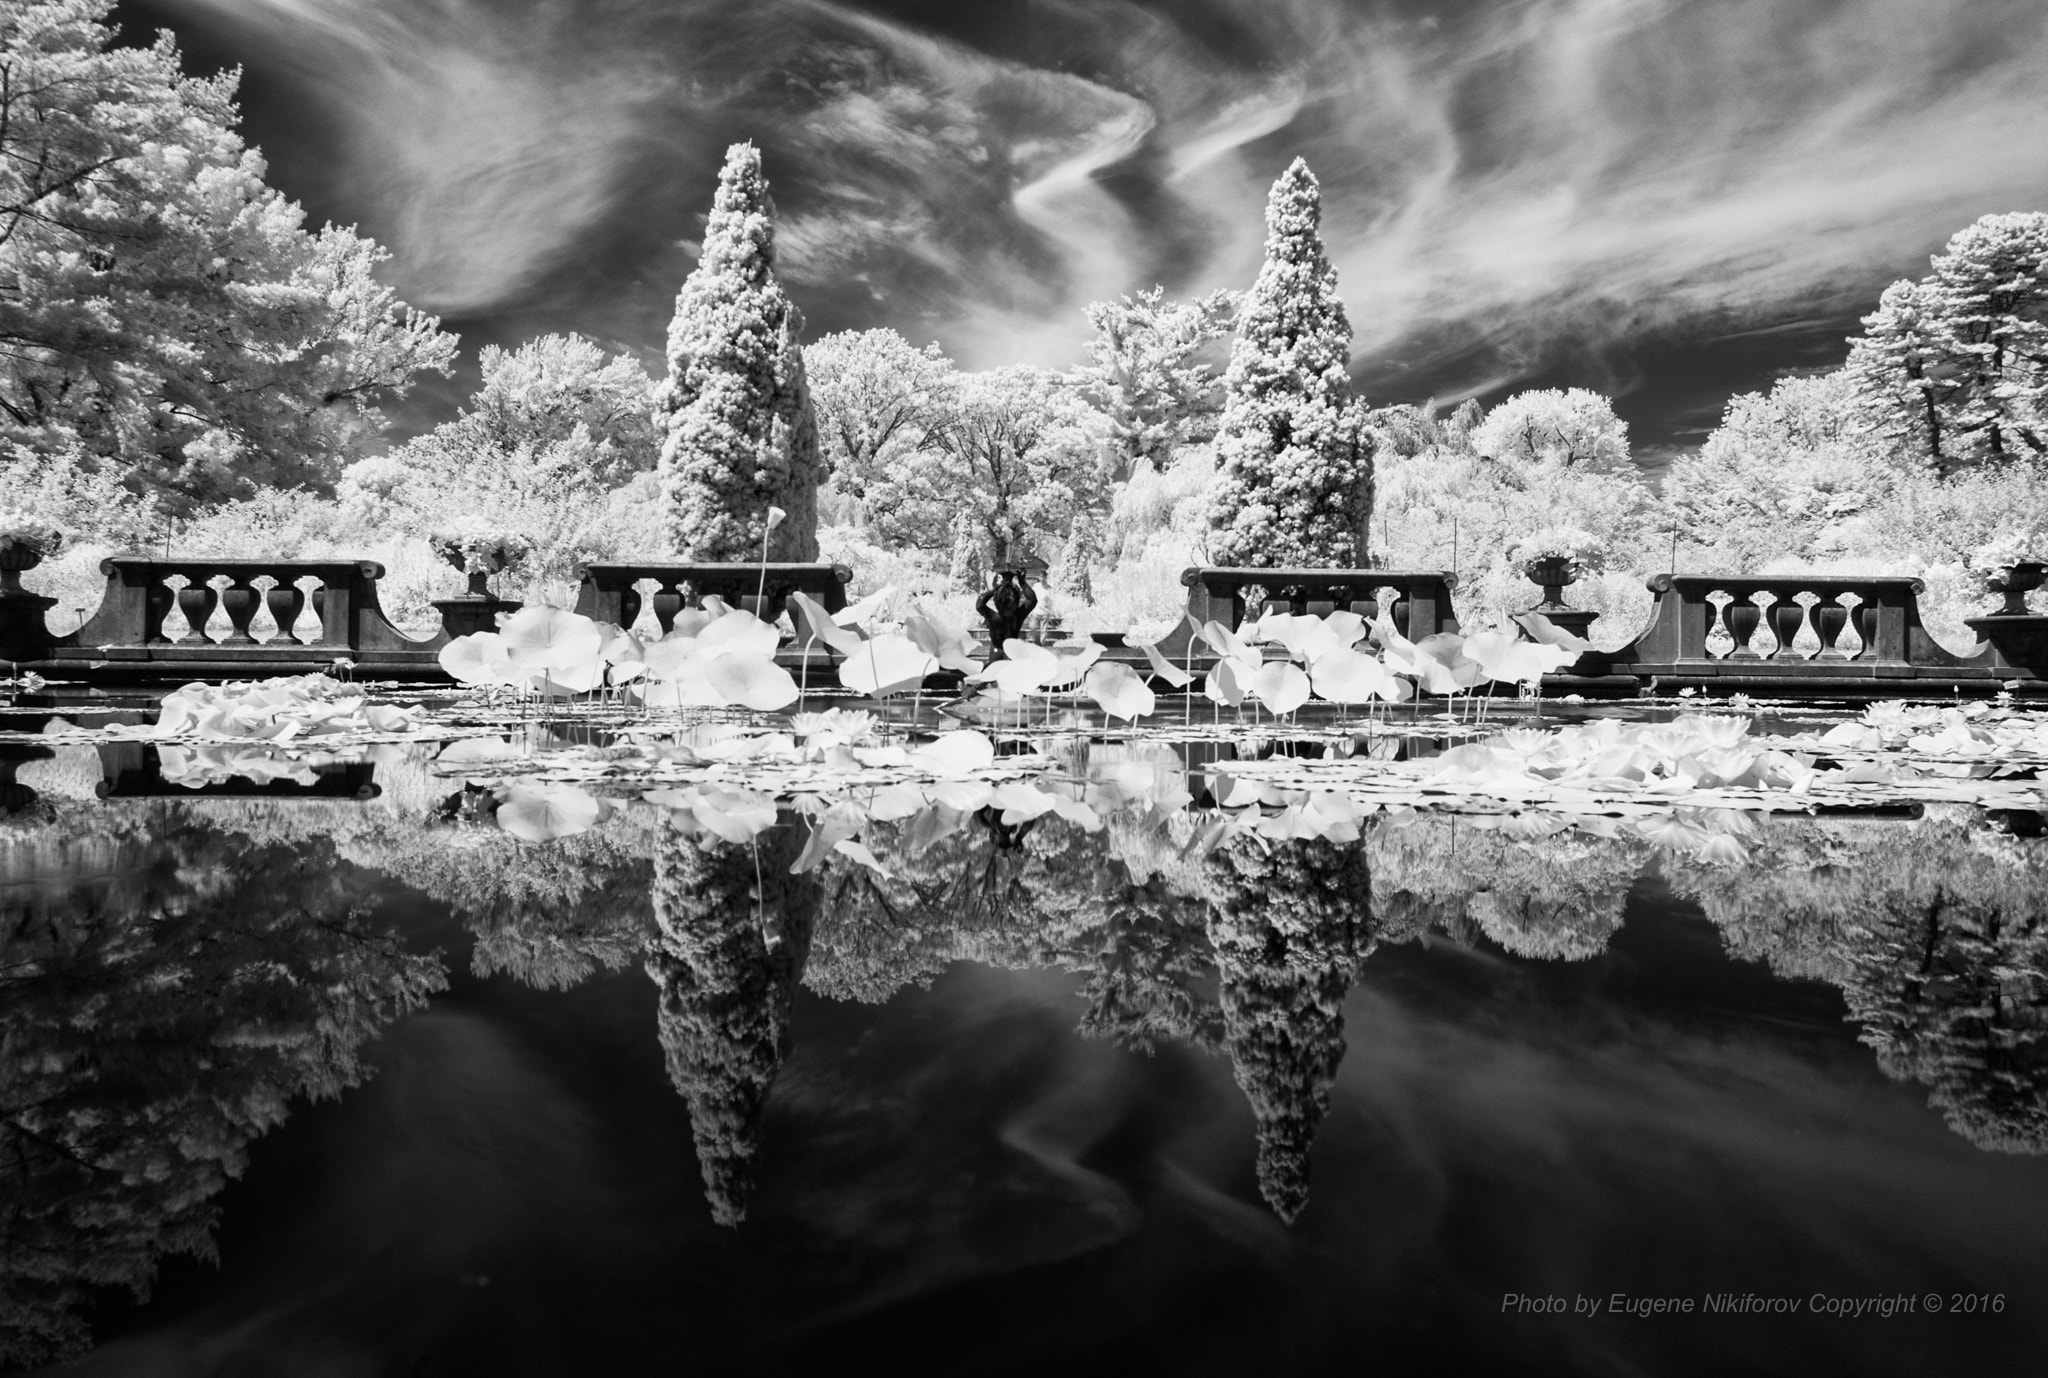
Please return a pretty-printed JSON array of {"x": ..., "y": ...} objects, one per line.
[
  {"x": 1294, "y": 473},
  {"x": 741, "y": 437}
]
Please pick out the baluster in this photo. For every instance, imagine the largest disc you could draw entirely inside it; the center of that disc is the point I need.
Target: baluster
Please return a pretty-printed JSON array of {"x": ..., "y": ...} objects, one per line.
[
  {"x": 285, "y": 601},
  {"x": 1741, "y": 618},
  {"x": 197, "y": 600},
  {"x": 239, "y": 601},
  {"x": 668, "y": 601},
  {"x": 629, "y": 604},
  {"x": 1397, "y": 611},
  {"x": 1786, "y": 618},
  {"x": 1864, "y": 618},
  {"x": 1829, "y": 617},
  {"x": 156, "y": 606}
]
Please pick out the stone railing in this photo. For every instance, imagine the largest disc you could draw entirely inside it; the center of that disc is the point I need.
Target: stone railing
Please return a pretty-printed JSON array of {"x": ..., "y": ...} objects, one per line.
[
  {"x": 338, "y": 619},
  {"x": 1418, "y": 600},
  {"x": 298, "y": 616},
  {"x": 611, "y": 593},
  {"x": 1817, "y": 632}
]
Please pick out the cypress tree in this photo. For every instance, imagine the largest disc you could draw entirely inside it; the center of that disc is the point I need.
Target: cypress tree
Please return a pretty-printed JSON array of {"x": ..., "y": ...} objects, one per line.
[
  {"x": 741, "y": 436},
  {"x": 1294, "y": 458}
]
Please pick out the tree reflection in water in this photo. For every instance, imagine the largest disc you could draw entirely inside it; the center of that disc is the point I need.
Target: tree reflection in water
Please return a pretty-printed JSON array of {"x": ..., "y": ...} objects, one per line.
[
  {"x": 173, "y": 973},
  {"x": 1936, "y": 932},
  {"x": 733, "y": 928},
  {"x": 1288, "y": 924},
  {"x": 166, "y": 988}
]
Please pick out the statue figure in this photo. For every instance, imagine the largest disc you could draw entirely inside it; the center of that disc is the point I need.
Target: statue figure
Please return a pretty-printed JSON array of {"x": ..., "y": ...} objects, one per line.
[{"x": 1004, "y": 606}]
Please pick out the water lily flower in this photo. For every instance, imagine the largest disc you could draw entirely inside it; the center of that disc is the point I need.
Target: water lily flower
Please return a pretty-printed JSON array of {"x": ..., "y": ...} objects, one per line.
[
  {"x": 543, "y": 639},
  {"x": 542, "y": 813},
  {"x": 1162, "y": 668},
  {"x": 885, "y": 665},
  {"x": 739, "y": 630},
  {"x": 1281, "y": 686},
  {"x": 854, "y": 614},
  {"x": 1118, "y": 691},
  {"x": 745, "y": 680}
]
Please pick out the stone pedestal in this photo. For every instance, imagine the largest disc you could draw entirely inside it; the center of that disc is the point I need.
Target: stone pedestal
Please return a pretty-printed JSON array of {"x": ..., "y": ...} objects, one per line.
[
  {"x": 2019, "y": 642},
  {"x": 471, "y": 612},
  {"x": 24, "y": 626}
]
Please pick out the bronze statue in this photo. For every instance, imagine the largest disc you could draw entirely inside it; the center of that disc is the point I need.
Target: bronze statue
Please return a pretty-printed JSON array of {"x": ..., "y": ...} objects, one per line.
[{"x": 1004, "y": 606}]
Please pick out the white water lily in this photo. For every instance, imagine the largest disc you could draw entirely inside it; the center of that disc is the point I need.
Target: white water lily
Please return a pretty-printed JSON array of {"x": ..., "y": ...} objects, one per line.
[
  {"x": 1349, "y": 676},
  {"x": 1281, "y": 687},
  {"x": 741, "y": 631},
  {"x": 1118, "y": 691},
  {"x": 955, "y": 754},
  {"x": 748, "y": 680},
  {"x": 1162, "y": 668},
  {"x": 543, "y": 639},
  {"x": 542, "y": 813},
  {"x": 887, "y": 664}
]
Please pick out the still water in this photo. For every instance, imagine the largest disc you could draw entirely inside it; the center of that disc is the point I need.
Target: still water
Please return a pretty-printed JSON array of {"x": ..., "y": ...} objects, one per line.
[{"x": 299, "y": 1082}]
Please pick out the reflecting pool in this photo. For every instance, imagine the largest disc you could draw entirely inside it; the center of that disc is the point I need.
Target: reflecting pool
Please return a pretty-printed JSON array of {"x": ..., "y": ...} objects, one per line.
[{"x": 326, "y": 1068}]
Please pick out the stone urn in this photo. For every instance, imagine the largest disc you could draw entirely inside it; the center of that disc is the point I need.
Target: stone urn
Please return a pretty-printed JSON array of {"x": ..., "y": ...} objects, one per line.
[
  {"x": 2015, "y": 582},
  {"x": 478, "y": 565},
  {"x": 2018, "y": 638},
  {"x": 1552, "y": 573},
  {"x": 19, "y": 552},
  {"x": 24, "y": 633},
  {"x": 477, "y": 608}
]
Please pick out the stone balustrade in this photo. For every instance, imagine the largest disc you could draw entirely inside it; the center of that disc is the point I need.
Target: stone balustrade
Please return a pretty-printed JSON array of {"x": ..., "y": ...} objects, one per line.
[
  {"x": 1418, "y": 600},
  {"x": 611, "y": 593},
  {"x": 1815, "y": 634},
  {"x": 339, "y": 618},
  {"x": 277, "y": 625}
]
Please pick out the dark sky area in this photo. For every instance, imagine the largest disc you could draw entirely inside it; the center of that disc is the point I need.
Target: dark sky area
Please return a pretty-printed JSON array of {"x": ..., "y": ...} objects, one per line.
[{"x": 1668, "y": 200}]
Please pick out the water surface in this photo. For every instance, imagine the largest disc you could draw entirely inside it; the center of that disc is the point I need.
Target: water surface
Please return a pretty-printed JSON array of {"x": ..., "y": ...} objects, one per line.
[{"x": 369, "y": 1086}]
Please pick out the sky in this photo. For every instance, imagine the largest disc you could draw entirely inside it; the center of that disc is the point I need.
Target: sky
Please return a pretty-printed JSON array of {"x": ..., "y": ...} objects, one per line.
[{"x": 1671, "y": 201}]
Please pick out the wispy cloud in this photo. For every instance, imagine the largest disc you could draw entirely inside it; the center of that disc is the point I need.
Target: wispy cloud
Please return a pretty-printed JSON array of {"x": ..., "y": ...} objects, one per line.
[{"x": 1503, "y": 183}]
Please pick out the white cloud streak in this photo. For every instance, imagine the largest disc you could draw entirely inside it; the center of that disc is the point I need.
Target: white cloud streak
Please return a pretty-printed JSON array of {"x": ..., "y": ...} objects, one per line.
[{"x": 1522, "y": 176}]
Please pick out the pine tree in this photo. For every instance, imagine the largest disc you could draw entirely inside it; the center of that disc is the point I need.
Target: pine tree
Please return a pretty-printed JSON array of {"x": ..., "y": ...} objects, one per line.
[
  {"x": 741, "y": 436},
  {"x": 1955, "y": 366},
  {"x": 1294, "y": 480},
  {"x": 168, "y": 317}
]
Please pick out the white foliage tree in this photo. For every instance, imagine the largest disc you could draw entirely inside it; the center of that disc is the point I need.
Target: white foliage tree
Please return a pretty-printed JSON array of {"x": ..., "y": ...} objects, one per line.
[
  {"x": 740, "y": 433},
  {"x": 166, "y": 314},
  {"x": 878, "y": 399},
  {"x": 1568, "y": 427},
  {"x": 1444, "y": 505},
  {"x": 1145, "y": 374},
  {"x": 1788, "y": 475},
  {"x": 1294, "y": 483},
  {"x": 1954, "y": 368},
  {"x": 556, "y": 445}
]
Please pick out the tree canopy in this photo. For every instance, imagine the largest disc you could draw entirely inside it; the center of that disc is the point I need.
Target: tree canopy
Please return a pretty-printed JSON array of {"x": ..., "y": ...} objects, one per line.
[
  {"x": 1294, "y": 476},
  {"x": 162, "y": 311},
  {"x": 1954, "y": 367},
  {"x": 741, "y": 436},
  {"x": 1146, "y": 376}
]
